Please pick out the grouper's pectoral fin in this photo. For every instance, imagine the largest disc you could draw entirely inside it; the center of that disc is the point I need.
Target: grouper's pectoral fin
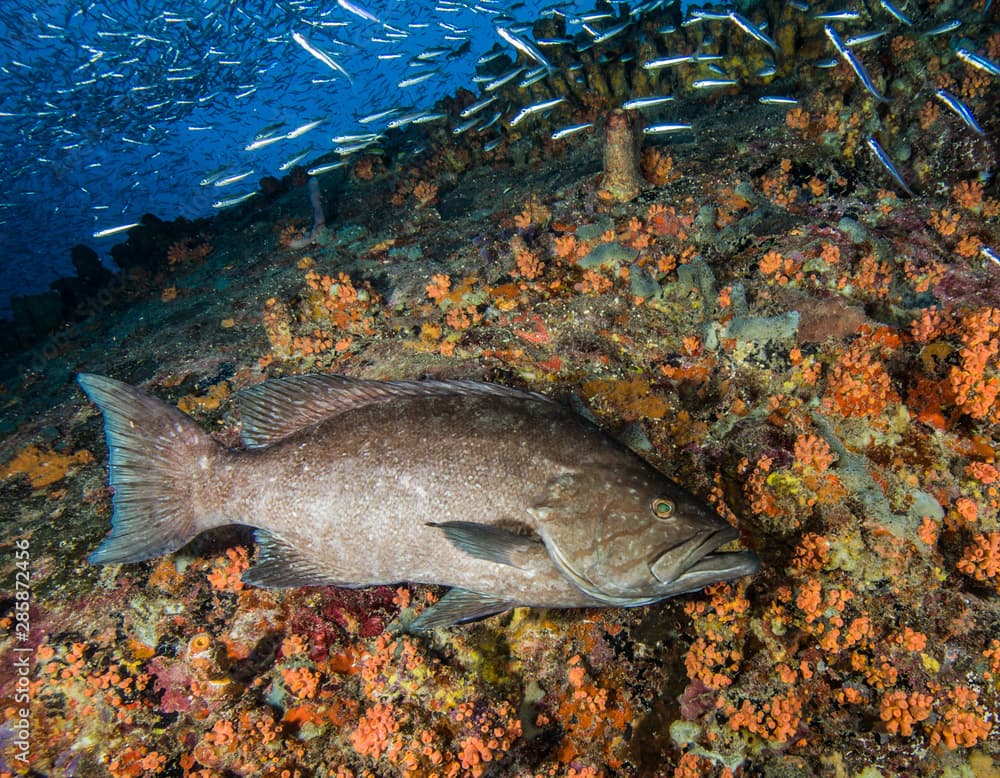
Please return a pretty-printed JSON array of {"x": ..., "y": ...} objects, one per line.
[
  {"x": 457, "y": 606},
  {"x": 281, "y": 565},
  {"x": 484, "y": 541}
]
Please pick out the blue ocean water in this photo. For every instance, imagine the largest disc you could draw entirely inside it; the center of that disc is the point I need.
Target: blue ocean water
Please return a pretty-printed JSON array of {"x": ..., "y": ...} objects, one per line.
[{"x": 111, "y": 109}]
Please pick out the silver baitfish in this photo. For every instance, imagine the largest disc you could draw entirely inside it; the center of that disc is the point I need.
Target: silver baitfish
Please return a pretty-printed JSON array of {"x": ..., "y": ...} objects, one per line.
[{"x": 504, "y": 495}]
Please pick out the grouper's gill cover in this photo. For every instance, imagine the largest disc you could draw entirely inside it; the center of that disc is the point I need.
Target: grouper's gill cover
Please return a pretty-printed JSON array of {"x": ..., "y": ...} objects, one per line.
[{"x": 503, "y": 495}]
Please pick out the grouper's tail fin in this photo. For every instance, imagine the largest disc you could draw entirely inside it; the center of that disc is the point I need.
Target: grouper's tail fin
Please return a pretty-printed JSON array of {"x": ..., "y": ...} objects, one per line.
[{"x": 156, "y": 457}]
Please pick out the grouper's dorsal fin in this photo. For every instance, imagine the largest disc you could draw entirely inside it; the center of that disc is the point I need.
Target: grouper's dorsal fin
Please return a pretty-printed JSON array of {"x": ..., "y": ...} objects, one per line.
[
  {"x": 280, "y": 407},
  {"x": 457, "y": 606},
  {"x": 484, "y": 541},
  {"x": 280, "y": 565}
]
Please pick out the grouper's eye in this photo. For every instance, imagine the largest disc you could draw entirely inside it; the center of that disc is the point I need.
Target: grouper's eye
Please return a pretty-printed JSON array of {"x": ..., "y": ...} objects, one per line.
[{"x": 662, "y": 508}]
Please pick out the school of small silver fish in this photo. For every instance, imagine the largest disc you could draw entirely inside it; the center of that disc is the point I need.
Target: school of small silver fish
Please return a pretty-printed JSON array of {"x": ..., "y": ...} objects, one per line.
[{"x": 111, "y": 109}]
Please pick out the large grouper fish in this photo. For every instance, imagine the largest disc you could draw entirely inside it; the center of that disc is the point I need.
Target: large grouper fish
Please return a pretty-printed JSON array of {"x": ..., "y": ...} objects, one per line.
[{"x": 505, "y": 496}]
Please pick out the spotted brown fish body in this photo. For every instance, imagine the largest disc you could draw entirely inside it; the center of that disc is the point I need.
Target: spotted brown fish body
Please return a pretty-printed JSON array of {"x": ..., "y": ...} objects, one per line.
[{"x": 503, "y": 495}]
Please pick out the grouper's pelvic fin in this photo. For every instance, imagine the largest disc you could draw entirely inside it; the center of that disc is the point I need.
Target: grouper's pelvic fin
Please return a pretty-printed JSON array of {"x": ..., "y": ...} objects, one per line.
[
  {"x": 155, "y": 455},
  {"x": 458, "y": 606}
]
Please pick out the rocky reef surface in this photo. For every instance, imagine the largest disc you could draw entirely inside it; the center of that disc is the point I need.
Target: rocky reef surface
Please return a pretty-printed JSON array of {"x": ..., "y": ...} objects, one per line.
[{"x": 815, "y": 355}]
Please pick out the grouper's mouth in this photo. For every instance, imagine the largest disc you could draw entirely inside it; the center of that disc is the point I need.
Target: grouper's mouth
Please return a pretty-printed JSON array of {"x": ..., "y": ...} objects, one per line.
[
  {"x": 706, "y": 566},
  {"x": 714, "y": 567},
  {"x": 674, "y": 562},
  {"x": 699, "y": 565}
]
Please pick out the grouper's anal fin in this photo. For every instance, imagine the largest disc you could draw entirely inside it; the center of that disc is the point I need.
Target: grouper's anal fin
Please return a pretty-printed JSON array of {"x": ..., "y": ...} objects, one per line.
[
  {"x": 279, "y": 407},
  {"x": 457, "y": 606},
  {"x": 280, "y": 565}
]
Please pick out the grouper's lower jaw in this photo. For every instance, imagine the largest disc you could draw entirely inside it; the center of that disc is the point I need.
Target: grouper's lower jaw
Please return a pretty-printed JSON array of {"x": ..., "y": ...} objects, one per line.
[{"x": 711, "y": 569}]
